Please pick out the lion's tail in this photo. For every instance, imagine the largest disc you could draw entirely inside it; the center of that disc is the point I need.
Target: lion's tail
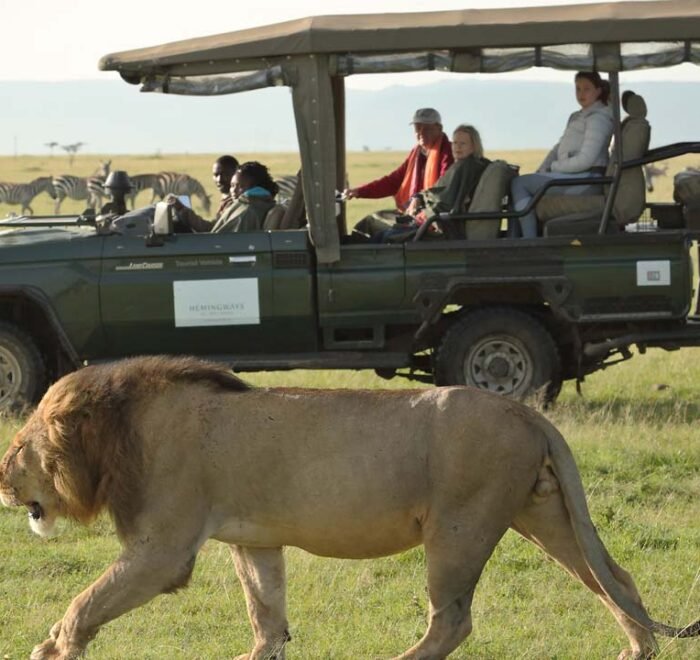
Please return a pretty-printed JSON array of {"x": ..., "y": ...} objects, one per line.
[{"x": 592, "y": 548}]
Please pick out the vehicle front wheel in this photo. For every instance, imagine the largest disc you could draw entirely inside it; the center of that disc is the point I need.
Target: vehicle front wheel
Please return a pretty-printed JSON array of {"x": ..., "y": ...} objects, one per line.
[
  {"x": 22, "y": 371},
  {"x": 501, "y": 350}
]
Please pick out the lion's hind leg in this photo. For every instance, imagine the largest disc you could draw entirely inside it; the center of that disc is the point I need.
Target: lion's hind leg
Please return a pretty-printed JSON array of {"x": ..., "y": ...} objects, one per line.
[
  {"x": 262, "y": 575},
  {"x": 547, "y": 524},
  {"x": 456, "y": 552}
]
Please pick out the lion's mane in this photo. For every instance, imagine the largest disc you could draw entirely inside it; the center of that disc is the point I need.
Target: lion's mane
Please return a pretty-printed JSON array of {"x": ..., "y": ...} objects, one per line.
[{"x": 90, "y": 446}]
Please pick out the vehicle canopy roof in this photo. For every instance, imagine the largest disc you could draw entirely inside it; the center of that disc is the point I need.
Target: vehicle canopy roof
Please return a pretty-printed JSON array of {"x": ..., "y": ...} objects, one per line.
[{"x": 313, "y": 55}]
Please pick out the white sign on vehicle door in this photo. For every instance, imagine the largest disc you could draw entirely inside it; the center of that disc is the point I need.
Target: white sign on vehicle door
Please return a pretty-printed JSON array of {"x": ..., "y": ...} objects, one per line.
[
  {"x": 653, "y": 273},
  {"x": 216, "y": 302}
]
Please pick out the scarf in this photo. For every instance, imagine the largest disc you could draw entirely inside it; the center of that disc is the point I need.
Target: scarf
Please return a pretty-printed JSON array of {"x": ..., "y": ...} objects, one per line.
[
  {"x": 226, "y": 201},
  {"x": 257, "y": 191},
  {"x": 409, "y": 185}
]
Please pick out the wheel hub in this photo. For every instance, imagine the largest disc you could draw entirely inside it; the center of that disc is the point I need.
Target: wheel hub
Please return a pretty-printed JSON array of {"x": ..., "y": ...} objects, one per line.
[{"x": 499, "y": 365}]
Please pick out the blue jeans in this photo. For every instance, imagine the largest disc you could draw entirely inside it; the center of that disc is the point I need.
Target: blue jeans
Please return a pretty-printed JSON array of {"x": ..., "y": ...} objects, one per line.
[{"x": 523, "y": 189}]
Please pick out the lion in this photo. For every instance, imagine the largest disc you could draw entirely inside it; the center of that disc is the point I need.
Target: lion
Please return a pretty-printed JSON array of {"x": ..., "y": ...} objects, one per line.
[{"x": 179, "y": 451}]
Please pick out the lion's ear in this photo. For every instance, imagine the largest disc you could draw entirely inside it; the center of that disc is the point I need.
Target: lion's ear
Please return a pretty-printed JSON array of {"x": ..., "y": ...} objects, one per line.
[{"x": 70, "y": 437}]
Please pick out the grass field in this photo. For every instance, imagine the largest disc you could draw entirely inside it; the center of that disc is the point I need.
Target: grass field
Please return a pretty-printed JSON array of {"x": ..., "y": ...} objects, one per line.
[
  {"x": 637, "y": 447},
  {"x": 634, "y": 434},
  {"x": 362, "y": 167}
]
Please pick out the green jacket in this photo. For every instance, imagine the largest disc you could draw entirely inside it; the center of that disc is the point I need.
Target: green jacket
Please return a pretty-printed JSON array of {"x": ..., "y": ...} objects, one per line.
[
  {"x": 453, "y": 191},
  {"x": 244, "y": 214}
]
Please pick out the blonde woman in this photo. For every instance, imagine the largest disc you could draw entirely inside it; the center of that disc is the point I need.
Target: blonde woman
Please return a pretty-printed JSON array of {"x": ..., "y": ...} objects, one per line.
[{"x": 454, "y": 189}]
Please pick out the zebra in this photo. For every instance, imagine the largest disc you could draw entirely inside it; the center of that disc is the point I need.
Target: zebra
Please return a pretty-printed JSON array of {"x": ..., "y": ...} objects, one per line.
[
  {"x": 175, "y": 183},
  {"x": 651, "y": 171},
  {"x": 23, "y": 193},
  {"x": 67, "y": 185},
  {"x": 90, "y": 188},
  {"x": 144, "y": 182},
  {"x": 95, "y": 184},
  {"x": 286, "y": 185}
]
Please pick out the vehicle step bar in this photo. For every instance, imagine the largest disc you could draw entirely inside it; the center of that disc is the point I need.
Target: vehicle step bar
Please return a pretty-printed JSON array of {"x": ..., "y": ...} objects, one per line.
[
  {"x": 689, "y": 335},
  {"x": 327, "y": 360}
]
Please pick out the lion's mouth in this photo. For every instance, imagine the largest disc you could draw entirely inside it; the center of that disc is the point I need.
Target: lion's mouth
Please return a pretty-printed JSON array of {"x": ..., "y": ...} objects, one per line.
[{"x": 35, "y": 511}]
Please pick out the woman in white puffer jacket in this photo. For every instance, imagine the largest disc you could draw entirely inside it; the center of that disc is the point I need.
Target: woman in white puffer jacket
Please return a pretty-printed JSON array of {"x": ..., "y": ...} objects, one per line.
[{"x": 582, "y": 150}]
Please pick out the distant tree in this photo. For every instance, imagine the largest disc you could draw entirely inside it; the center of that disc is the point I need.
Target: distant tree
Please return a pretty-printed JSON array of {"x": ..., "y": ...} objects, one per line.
[
  {"x": 51, "y": 145},
  {"x": 71, "y": 150},
  {"x": 365, "y": 147}
]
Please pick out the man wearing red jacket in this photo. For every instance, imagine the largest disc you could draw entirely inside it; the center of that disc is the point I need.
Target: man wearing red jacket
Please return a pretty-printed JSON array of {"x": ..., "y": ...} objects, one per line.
[{"x": 423, "y": 166}]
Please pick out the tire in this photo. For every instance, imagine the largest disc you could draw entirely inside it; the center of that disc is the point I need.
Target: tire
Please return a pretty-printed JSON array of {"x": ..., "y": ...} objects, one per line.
[
  {"x": 501, "y": 350},
  {"x": 22, "y": 370}
]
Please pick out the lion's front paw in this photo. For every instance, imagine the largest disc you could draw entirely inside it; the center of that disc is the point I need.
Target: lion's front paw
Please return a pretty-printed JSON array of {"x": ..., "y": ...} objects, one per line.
[
  {"x": 264, "y": 652},
  {"x": 628, "y": 654},
  {"x": 50, "y": 650},
  {"x": 46, "y": 650}
]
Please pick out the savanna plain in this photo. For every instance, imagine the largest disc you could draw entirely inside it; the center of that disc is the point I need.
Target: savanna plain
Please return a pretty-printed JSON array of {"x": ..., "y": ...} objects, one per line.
[{"x": 633, "y": 430}]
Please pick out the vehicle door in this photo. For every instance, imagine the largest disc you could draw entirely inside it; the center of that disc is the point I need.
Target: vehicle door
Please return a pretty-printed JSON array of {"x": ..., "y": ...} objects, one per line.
[
  {"x": 360, "y": 294},
  {"x": 203, "y": 294}
]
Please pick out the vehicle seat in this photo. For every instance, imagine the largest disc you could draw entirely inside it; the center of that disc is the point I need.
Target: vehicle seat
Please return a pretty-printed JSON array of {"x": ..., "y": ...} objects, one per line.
[
  {"x": 295, "y": 210},
  {"x": 274, "y": 216},
  {"x": 566, "y": 215},
  {"x": 492, "y": 188},
  {"x": 686, "y": 191},
  {"x": 489, "y": 194}
]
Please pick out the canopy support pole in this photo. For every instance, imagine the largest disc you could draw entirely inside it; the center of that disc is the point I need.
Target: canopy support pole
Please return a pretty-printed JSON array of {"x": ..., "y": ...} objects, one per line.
[
  {"x": 338, "y": 85},
  {"x": 312, "y": 95},
  {"x": 614, "y": 79}
]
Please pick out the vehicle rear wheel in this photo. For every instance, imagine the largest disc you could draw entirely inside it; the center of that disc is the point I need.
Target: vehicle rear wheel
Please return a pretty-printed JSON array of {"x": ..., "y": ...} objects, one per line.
[
  {"x": 501, "y": 350},
  {"x": 22, "y": 370}
]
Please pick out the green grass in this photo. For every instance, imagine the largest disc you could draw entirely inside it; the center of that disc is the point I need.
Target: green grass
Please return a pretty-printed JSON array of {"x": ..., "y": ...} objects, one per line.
[
  {"x": 636, "y": 445},
  {"x": 638, "y": 451}
]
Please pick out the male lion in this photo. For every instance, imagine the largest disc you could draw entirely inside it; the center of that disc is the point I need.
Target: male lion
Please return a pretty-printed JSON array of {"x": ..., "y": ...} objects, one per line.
[{"x": 180, "y": 451}]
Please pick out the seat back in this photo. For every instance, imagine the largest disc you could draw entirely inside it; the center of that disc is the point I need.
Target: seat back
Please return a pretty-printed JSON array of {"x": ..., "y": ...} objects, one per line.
[
  {"x": 488, "y": 196},
  {"x": 273, "y": 218},
  {"x": 686, "y": 191},
  {"x": 686, "y": 186},
  {"x": 635, "y": 134},
  {"x": 295, "y": 210}
]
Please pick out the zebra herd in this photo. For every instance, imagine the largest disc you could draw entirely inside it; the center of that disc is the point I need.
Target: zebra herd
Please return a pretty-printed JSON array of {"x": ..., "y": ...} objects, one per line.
[{"x": 91, "y": 189}]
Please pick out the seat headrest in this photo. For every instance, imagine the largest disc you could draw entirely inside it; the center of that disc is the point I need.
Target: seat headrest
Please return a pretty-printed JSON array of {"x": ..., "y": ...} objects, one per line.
[{"x": 634, "y": 105}]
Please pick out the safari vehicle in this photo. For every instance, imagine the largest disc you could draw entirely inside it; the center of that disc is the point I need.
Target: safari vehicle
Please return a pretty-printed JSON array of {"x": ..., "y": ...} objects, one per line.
[{"x": 512, "y": 316}]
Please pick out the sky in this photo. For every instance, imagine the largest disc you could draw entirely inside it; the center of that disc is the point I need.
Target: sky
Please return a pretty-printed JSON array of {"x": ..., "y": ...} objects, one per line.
[
  {"x": 61, "y": 41},
  {"x": 53, "y": 40}
]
